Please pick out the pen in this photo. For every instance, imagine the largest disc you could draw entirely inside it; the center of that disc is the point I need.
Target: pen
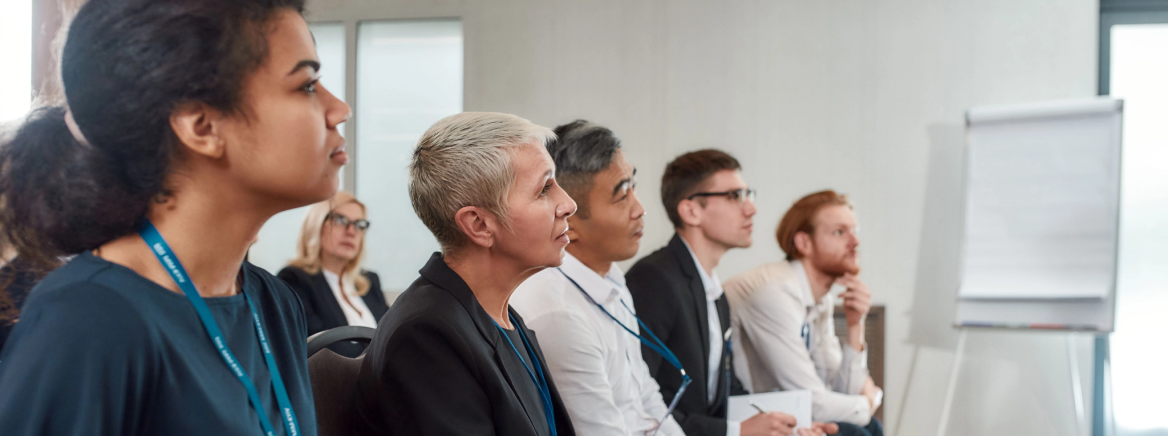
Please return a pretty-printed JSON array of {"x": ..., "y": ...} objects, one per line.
[{"x": 759, "y": 409}]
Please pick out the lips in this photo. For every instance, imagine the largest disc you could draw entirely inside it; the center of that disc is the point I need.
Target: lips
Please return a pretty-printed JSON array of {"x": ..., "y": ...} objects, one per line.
[
  {"x": 563, "y": 237},
  {"x": 339, "y": 156}
]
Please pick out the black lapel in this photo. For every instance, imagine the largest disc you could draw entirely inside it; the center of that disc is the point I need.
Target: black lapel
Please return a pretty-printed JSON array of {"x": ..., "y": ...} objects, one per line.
[
  {"x": 724, "y": 368},
  {"x": 698, "y": 292},
  {"x": 514, "y": 370},
  {"x": 336, "y": 316},
  {"x": 542, "y": 363},
  {"x": 439, "y": 273}
]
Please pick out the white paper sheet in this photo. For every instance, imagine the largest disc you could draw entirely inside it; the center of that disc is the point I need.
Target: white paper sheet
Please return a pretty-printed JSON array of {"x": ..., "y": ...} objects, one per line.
[
  {"x": 1042, "y": 201},
  {"x": 794, "y": 403}
]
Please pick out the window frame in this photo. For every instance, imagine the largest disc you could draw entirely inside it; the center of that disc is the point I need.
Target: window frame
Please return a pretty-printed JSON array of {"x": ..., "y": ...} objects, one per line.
[{"x": 1111, "y": 13}]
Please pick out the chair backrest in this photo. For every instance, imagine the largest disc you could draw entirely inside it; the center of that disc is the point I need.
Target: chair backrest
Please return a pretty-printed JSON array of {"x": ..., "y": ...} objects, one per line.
[
  {"x": 334, "y": 380},
  {"x": 874, "y": 335}
]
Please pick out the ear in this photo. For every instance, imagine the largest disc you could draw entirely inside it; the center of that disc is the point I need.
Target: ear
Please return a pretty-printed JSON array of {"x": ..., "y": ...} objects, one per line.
[
  {"x": 196, "y": 127},
  {"x": 690, "y": 212},
  {"x": 478, "y": 225},
  {"x": 803, "y": 244}
]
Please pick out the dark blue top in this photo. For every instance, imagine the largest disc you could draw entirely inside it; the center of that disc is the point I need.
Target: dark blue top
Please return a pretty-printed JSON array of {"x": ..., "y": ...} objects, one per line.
[{"x": 101, "y": 350}]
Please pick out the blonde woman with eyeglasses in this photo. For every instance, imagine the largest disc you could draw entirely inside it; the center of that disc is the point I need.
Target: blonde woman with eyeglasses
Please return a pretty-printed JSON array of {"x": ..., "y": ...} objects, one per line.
[{"x": 327, "y": 273}]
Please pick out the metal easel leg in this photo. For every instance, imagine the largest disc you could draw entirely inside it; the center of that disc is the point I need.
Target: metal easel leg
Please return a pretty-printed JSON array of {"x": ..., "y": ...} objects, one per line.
[
  {"x": 953, "y": 373},
  {"x": 1076, "y": 382}
]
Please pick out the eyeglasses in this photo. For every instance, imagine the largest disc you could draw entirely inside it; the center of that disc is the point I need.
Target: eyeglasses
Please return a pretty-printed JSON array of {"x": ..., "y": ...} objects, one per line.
[
  {"x": 738, "y": 195},
  {"x": 344, "y": 222}
]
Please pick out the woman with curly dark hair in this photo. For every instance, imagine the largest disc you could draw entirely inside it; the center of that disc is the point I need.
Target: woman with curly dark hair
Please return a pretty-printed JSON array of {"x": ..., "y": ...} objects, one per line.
[{"x": 188, "y": 123}]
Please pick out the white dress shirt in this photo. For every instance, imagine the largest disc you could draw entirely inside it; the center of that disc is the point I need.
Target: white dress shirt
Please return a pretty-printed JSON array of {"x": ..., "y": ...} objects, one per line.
[
  {"x": 786, "y": 340},
  {"x": 713, "y": 288},
  {"x": 356, "y": 313},
  {"x": 599, "y": 372}
]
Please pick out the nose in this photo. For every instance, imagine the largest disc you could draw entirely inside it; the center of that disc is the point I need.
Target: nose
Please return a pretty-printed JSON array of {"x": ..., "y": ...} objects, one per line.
[
  {"x": 749, "y": 208},
  {"x": 336, "y": 111},
  {"x": 638, "y": 210},
  {"x": 567, "y": 206}
]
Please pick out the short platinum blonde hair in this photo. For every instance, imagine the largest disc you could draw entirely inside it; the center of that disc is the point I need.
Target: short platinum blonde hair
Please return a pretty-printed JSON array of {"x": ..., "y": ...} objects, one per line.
[{"x": 466, "y": 160}]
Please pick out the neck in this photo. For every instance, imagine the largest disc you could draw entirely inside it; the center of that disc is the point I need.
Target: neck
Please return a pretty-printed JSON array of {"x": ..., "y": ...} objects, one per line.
[
  {"x": 708, "y": 252},
  {"x": 209, "y": 231},
  {"x": 332, "y": 263},
  {"x": 591, "y": 260},
  {"x": 820, "y": 281},
  {"x": 492, "y": 279}
]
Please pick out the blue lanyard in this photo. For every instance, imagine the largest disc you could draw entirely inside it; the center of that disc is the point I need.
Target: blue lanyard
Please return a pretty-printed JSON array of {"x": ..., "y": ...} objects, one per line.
[
  {"x": 170, "y": 262},
  {"x": 656, "y": 345},
  {"x": 805, "y": 333},
  {"x": 541, "y": 383}
]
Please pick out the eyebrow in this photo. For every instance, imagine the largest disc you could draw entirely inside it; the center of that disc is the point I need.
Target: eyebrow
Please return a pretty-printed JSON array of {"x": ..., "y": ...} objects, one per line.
[
  {"x": 305, "y": 63},
  {"x": 623, "y": 182}
]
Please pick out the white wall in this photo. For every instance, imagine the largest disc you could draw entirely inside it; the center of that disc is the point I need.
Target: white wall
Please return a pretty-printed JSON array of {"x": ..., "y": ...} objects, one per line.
[{"x": 866, "y": 97}]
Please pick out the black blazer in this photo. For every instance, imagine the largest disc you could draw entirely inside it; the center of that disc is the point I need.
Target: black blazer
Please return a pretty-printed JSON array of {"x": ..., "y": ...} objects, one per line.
[
  {"x": 322, "y": 311},
  {"x": 668, "y": 294},
  {"x": 439, "y": 366}
]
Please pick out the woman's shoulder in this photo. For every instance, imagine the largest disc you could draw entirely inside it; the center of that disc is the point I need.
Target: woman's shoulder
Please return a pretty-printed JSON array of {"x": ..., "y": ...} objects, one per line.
[
  {"x": 424, "y": 303},
  {"x": 277, "y": 290},
  {"x": 291, "y": 271},
  {"x": 89, "y": 296}
]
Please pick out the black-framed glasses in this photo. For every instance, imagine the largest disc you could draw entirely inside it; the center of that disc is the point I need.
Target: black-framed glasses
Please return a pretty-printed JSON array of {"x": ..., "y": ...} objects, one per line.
[
  {"x": 343, "y": 221},
  {"x": 738, "y": 195}
]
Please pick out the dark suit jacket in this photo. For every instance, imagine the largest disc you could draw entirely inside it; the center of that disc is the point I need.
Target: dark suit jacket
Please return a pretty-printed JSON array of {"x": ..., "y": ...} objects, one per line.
[
  {"x": 322, "y": 311},
  {"x": 438, "y": 365},
  {"x": 670, "y": 299}
]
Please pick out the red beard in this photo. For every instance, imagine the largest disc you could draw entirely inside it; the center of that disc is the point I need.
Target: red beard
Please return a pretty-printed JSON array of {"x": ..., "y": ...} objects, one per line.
[{"x": 838, "y": 266}]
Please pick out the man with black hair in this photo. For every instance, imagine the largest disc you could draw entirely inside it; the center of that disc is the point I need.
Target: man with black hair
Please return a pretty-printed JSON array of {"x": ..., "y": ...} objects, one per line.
[{"x": 581, "y": 309}]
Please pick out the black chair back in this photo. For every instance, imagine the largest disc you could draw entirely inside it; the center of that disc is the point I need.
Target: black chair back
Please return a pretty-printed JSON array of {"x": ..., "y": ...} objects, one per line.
[{"x": 334, "y": 380}]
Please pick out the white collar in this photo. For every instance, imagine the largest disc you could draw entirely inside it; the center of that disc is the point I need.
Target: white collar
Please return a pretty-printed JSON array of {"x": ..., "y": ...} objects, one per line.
[
  {"x": 602, "y": 289},
  {"x": 805, "y": 294},
  {"x": 710, "y": 282}
]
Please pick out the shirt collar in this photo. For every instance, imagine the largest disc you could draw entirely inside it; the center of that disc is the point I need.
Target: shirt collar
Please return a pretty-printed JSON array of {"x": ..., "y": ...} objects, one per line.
[
  {"x": 602, "y": 289},
  {"x": 805, "y": 294},
  {"x": 712, "y": 285}
]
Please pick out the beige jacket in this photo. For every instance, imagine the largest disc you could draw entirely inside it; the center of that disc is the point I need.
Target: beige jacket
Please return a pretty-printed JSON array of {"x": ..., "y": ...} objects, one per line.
[{"x": 786, "y": 341}]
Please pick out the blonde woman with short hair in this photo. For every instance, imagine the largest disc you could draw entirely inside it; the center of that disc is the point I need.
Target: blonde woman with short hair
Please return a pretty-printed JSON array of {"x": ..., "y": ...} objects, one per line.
[
  {"x": 326, "y": 272},
  {"x": 452, "y": 357}
]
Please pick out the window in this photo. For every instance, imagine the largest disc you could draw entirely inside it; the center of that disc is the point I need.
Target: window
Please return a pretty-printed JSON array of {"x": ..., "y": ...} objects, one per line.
[
  {"x": 1138, "y": 66},
  {"x": 409, "y": 75},
  {"x": 16, "y": 75},
  {"x": 277, "y": 239}
]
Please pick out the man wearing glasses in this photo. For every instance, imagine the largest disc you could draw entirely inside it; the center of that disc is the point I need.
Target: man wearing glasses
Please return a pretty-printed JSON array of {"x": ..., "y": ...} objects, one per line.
[{"x": 678, "y": 295}]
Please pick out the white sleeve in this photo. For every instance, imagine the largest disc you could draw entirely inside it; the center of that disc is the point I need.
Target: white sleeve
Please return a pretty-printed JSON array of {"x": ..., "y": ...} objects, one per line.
[
  {"x": 772, "y": 320},
  {"x": 853, "y": 370},
  {"x": 651, "y": 398},
  {"x": 575, "y": 359}
]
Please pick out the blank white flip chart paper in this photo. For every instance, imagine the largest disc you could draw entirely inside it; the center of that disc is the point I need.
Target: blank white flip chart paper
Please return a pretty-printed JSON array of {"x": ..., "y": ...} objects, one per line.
[{"x": 1042, "y": 200}]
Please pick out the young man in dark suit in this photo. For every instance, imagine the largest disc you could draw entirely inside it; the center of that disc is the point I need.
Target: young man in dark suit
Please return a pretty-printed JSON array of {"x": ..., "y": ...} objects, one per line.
[{"x": 678, "y": 294}]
